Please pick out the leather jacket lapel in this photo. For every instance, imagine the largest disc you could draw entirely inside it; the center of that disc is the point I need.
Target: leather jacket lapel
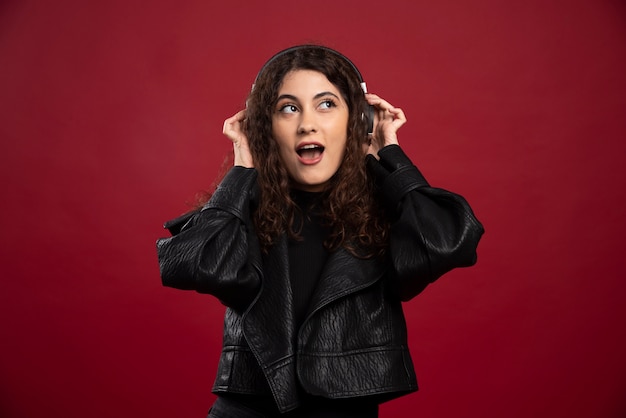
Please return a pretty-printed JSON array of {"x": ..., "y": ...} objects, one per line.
[
  {"x": 342, "y": 275},
  {"x": 269, "y": 328}
]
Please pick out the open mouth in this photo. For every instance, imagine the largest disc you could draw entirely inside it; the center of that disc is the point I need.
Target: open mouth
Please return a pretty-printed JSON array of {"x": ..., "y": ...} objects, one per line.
[{"x": 310, "y": 151}]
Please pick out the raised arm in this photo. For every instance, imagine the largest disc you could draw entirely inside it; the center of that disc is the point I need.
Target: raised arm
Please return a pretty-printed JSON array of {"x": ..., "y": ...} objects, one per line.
[
  {"x": 432, "y": 230},
  {"x": 215, "y": 250}
]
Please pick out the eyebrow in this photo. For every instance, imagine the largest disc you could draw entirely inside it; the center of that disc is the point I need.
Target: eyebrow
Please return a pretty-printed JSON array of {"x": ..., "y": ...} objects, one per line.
[{"x": 317, "y": 96}]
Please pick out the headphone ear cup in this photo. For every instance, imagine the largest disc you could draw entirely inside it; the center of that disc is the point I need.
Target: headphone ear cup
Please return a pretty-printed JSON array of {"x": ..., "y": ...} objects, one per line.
[{"x": 369, "y": 118}]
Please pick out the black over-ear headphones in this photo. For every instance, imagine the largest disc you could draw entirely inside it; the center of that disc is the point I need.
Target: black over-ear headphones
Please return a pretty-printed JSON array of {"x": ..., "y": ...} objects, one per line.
[{"x": 368, "y": 116}]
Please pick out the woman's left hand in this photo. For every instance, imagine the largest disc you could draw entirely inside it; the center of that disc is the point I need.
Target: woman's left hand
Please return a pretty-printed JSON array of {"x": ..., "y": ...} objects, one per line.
[{"x": 387, "y": 121}]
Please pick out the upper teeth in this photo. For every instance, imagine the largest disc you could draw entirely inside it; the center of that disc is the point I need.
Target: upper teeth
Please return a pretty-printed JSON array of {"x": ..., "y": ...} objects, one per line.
[{"x": 310, "y": 146}]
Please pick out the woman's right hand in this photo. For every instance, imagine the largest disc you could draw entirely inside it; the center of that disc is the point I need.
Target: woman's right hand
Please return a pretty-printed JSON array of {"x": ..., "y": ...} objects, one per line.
[{"x": 233, "y": 130}]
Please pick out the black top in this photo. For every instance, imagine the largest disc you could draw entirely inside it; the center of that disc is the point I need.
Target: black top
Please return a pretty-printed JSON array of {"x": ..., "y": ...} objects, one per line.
[{"x": 307, "y": 254}]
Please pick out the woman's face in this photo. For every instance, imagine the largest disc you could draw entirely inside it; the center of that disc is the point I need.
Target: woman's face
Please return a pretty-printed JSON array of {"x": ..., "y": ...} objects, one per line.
[{"x": 310, "y": 125}]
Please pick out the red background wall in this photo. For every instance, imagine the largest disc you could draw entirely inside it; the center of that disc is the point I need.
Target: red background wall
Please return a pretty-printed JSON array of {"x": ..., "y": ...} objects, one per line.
[{"x": 110, "y": 120}]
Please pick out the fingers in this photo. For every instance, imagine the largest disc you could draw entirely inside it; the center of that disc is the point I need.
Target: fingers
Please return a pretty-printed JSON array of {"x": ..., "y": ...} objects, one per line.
[
  {"x": 377, "y": 101},
  {"x": 232, "y": 126},
  {"x": 386, "y": 111},
  {"x": 233, "y": 129},
  {"x": 388, "y": 120},
  {"x": 399, "y": 118}
]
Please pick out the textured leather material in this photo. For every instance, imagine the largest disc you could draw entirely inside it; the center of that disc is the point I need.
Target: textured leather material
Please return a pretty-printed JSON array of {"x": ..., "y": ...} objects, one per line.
[
  {"x": 271, "y": 315},
  {"x": 216, "y": 251},
  {"x": 393, "y": 158},
  {"x": 353, "y": 340},
  {"x": 397, "y": 184},
  {"x": 244, "y": 378},
  {"x": 342, "y": 275},
  {"x": 422, "y": 249},
  {"x": 234, "y": 193},
  {"x": 377, "y": 371},
  {"x": 399, "y": 176}
]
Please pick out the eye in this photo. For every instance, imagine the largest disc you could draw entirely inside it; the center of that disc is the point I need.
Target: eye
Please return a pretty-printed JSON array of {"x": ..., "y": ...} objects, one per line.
[
  {"x": 328, "y": 104},
  {"x": 288, "y": 108}
]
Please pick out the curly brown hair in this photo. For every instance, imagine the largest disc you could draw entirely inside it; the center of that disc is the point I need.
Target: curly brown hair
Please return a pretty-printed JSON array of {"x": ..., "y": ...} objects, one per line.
[{"x": 349, "y": 206}]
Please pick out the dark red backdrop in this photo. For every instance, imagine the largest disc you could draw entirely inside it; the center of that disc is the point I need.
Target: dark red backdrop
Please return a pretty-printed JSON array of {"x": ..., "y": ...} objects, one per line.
[{"x": 110, "y": 120}]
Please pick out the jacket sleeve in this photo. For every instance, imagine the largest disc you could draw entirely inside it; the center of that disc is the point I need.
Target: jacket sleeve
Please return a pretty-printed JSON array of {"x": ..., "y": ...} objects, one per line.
[
  {"x": 432, "y": 230},
  {"x": 214, "y": 250}
]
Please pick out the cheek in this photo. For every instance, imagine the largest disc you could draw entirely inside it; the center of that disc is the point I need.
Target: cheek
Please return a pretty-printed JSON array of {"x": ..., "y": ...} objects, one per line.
[
  {"x": 342, "y": 140},
  {"x": 342, "y": 128},
  {"x": 284, "y": 149},
  {"x": 278, "y": 137}
]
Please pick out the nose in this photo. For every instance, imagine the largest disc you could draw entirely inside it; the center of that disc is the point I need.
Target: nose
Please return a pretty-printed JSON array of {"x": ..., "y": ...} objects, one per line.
[{"x": 307, "y": 123}]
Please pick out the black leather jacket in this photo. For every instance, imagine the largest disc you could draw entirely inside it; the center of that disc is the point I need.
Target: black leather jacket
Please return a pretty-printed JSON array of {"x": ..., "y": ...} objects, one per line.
[{"x": 353, "y": 342}]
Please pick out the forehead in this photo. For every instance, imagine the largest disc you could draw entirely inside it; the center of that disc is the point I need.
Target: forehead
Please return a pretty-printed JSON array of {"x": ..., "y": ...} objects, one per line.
[{"x": 306, "y": 82}]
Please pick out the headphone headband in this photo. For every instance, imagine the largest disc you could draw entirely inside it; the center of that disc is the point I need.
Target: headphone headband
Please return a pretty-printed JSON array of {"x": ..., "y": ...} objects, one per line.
[{"x": 324, "y": 48}]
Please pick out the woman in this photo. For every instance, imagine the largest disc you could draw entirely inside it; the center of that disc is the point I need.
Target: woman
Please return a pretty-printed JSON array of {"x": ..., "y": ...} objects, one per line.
[{"x": 312, "y": 241}]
